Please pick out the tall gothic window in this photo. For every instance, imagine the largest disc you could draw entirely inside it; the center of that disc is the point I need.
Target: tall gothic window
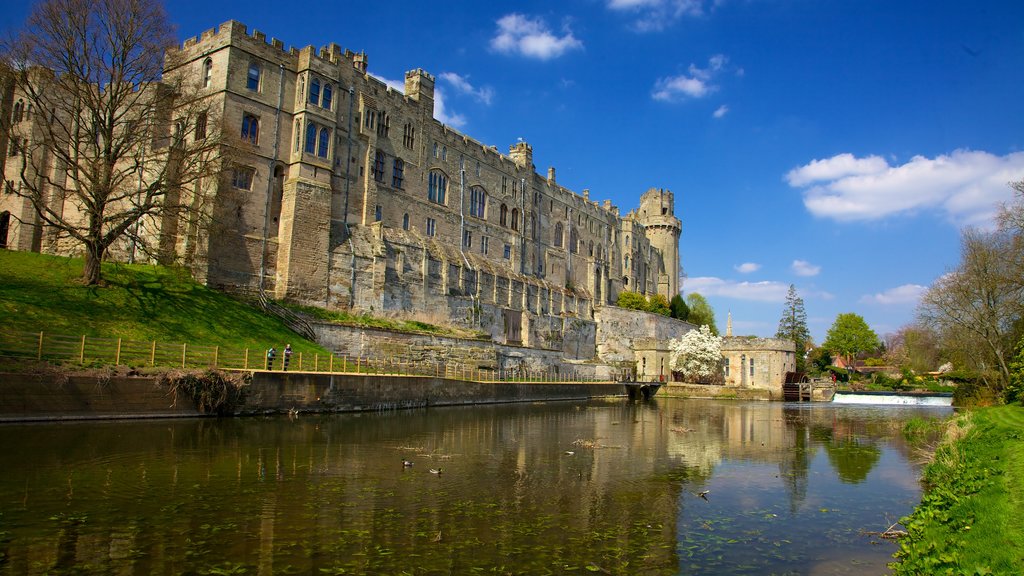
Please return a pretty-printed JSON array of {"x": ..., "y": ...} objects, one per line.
[
  {"x": 477, "y": 202},
  {"x": 437, "y": 187},
  {"x": 557, "y": 240},
  {"x": 207, "y": 72},
  {"x": 314, "y": 91}
]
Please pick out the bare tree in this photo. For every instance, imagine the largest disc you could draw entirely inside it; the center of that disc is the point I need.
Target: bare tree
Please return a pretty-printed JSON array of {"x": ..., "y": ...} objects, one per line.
[
  {"x": 113, "y": 152},
  {"x": 976, "y": 307}
]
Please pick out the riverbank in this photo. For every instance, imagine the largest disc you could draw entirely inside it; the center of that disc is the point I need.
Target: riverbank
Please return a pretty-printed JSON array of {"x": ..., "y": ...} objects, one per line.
[
  {"x": 52, "y": 397},
  {"x": 971, "y": 517}
]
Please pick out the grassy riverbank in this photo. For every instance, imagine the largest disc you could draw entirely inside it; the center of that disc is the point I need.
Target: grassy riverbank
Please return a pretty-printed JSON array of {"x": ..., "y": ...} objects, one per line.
[
  {"x": 971, "y": 518},
  {"x": 136, "y": 302}
]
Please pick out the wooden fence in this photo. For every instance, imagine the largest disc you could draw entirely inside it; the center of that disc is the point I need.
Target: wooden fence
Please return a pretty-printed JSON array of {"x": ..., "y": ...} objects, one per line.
[{"x": 96, "y": 351}]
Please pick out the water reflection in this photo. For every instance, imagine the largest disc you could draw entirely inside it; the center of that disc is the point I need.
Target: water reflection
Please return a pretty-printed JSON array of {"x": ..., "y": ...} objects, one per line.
[{"x": 609, "y": 487}]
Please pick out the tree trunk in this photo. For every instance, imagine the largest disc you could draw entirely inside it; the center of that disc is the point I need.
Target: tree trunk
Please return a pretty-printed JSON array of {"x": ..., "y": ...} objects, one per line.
[{"x": 93, "y": 262}]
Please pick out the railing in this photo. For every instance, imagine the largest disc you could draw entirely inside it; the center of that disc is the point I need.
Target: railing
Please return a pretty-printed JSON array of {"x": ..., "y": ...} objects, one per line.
[
  {"x": 97, "y": 351},
  {"x": 292, "y": 320}
]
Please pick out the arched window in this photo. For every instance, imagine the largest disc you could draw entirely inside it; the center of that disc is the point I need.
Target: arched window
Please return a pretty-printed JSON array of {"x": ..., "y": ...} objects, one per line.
[
  {"x": 19, "y": 110},
  {"x": 325, "y": 141},
  {"x": 590, "y": 248},
  {"x": 252, "y": 81},
  {"x": 515, "y": 219},
  {"x": 574, "y": 241},
  {"x": 207, "y": 72},
  {"x": 328, "y": 96},
  {"x": 477, "y": 201},
  {"x": 311, "y": 138},
  {"x": 405, "y": 221},
  {"x": 598, "y": 251},
  {"x": 437, "y": 187},
  {"x": 503, "y": 215},
  {"x": 626, "y": 267},
  {"x": 250, "y": 128},
  {"x": 314, "y": 91},
  {"x": 557, "y": 240}
]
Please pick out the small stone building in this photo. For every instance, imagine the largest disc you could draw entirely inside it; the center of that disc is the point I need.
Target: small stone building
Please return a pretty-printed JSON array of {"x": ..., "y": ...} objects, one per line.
[{"x": 751, "y": 362}]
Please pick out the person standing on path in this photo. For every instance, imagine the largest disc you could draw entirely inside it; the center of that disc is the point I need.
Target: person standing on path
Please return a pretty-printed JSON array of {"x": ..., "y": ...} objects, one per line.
[
  {"x": 271, "y": 353},
  {"x": 287, "y": 355}
]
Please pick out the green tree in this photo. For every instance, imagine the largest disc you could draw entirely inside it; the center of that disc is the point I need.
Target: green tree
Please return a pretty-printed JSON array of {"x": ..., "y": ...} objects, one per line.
[
  {"x": 680, "y": 311},
  {"x": 820, "y": 359},
  {"x": 701, "y": 312},
  {"x": 793, "y": 326},
  {"x": 657, "y": 304},
  {"x": 631, "y": 301},
  {"x": 850, "y": 335}
]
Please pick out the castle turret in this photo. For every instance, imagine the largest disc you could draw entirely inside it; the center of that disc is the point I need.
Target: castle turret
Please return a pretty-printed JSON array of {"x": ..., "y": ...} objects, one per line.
[
  {"x": 522, "y": 154},
  {"x": 657, "y": 215},
  {"x": 419, "y": 86}
]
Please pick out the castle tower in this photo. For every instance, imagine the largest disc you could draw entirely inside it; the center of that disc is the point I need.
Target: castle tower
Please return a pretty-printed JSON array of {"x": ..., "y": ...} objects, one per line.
[
  {"x": 657, "y": 215},
  {"x": 419, "y": 86}
]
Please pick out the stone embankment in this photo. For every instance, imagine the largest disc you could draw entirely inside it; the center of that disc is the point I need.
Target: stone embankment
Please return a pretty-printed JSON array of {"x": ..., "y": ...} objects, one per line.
[{"x": 27, "y": 397}]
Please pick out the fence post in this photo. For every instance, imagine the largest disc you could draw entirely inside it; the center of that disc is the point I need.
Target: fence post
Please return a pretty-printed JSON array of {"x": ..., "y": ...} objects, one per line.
[
  {"x": 152, "y": 354},
  {"x": 183, "y": 349},
  {"x": 39, "y": 353},
  {"x": 246, "y": 359},
  {"x": 300, "y": 360},
  {"x": 316, "y": 362},
  {"x": 216, "y": 355},
  {"x": 330, "y": 364},
  {"x": 117, "y": 355},
  {"x": 81, "y": 352}
]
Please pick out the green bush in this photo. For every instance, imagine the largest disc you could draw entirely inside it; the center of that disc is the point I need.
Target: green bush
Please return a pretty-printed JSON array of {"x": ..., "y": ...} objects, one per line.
[{"x": 631, "y": 301}]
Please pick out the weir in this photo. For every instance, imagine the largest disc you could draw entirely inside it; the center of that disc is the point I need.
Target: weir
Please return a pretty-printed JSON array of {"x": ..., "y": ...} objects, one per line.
[{"x": 894, "y": 398}]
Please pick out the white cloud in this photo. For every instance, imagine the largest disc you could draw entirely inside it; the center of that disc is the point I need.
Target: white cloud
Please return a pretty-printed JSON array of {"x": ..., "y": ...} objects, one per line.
[
  {"x": 766, "y": 291},
  {"x": 804, "y": 268},
  {"x": 656, "y": 15},
  {"x": 441, "y": 113},
  {"x": 965, "y": 185},
  {"x": 462, "y": 85},
  {"x": 531, "y": 37},
  {"x": 747, "y": 267},
  {"x": 905, "y": 294},
  {"x": 834, "y": 168},
  {"x": 696, "y": 84},
  {"x": 720, "y": 111}
]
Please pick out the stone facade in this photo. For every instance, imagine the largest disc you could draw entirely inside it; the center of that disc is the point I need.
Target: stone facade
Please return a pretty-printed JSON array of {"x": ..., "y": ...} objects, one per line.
[
  {"x": 750, "y": 362},
  {"x": 343, "y": 192}
]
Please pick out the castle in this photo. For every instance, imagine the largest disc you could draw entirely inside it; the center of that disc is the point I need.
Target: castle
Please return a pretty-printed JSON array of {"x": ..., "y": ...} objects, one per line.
[{"x": 342, "y": 192}]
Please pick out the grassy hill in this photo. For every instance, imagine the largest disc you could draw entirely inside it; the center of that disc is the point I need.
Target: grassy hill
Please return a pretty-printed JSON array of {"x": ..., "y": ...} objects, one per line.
[{"x": 137, "y": 302}]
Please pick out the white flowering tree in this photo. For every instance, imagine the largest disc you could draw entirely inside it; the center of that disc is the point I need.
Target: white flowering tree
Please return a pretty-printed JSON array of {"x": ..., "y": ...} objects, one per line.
[{"x": 698, "y": 355}]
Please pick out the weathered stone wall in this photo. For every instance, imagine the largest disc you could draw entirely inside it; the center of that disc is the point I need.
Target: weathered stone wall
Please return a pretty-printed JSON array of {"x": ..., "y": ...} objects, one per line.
[
  {"x": 30, "y": 397},
  {"x": 771, "y": 358},
  {"x": 483, "y": 354},
  {"x": 637, "y": 339}
]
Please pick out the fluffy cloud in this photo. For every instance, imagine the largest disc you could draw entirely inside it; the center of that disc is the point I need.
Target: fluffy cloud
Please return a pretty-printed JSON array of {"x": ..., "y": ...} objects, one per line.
[
  {"x": 766, "y": 291},
  {"x": 966, "y": 186},
  {"x": 656, "y": 15},
  {"x": 804, "y": 268},
  {"x": 747, "y": 267},
  {"x": 462, "y": 85},
  {"x": 720, "y": 111},
  {"x": 834, "y": 168},
  {"x": 441, "y": 112},
  {"x": 697, "y": 83},
  {"x": 531, "y": 37},
  {"x": 905, "y": 294}
]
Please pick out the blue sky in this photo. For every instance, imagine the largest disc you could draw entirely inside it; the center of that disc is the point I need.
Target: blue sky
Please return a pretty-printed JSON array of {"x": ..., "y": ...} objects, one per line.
[{"x": 836, "y": 146}]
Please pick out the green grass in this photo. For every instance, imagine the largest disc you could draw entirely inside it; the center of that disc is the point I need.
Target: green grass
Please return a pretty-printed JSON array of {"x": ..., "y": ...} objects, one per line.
[
  {"x": 136, "y": 302},
  {"x": 971, "y": 517}
]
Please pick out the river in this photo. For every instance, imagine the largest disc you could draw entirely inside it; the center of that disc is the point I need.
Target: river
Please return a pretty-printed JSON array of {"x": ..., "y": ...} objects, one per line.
[{"x": 599, "y": 487}]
